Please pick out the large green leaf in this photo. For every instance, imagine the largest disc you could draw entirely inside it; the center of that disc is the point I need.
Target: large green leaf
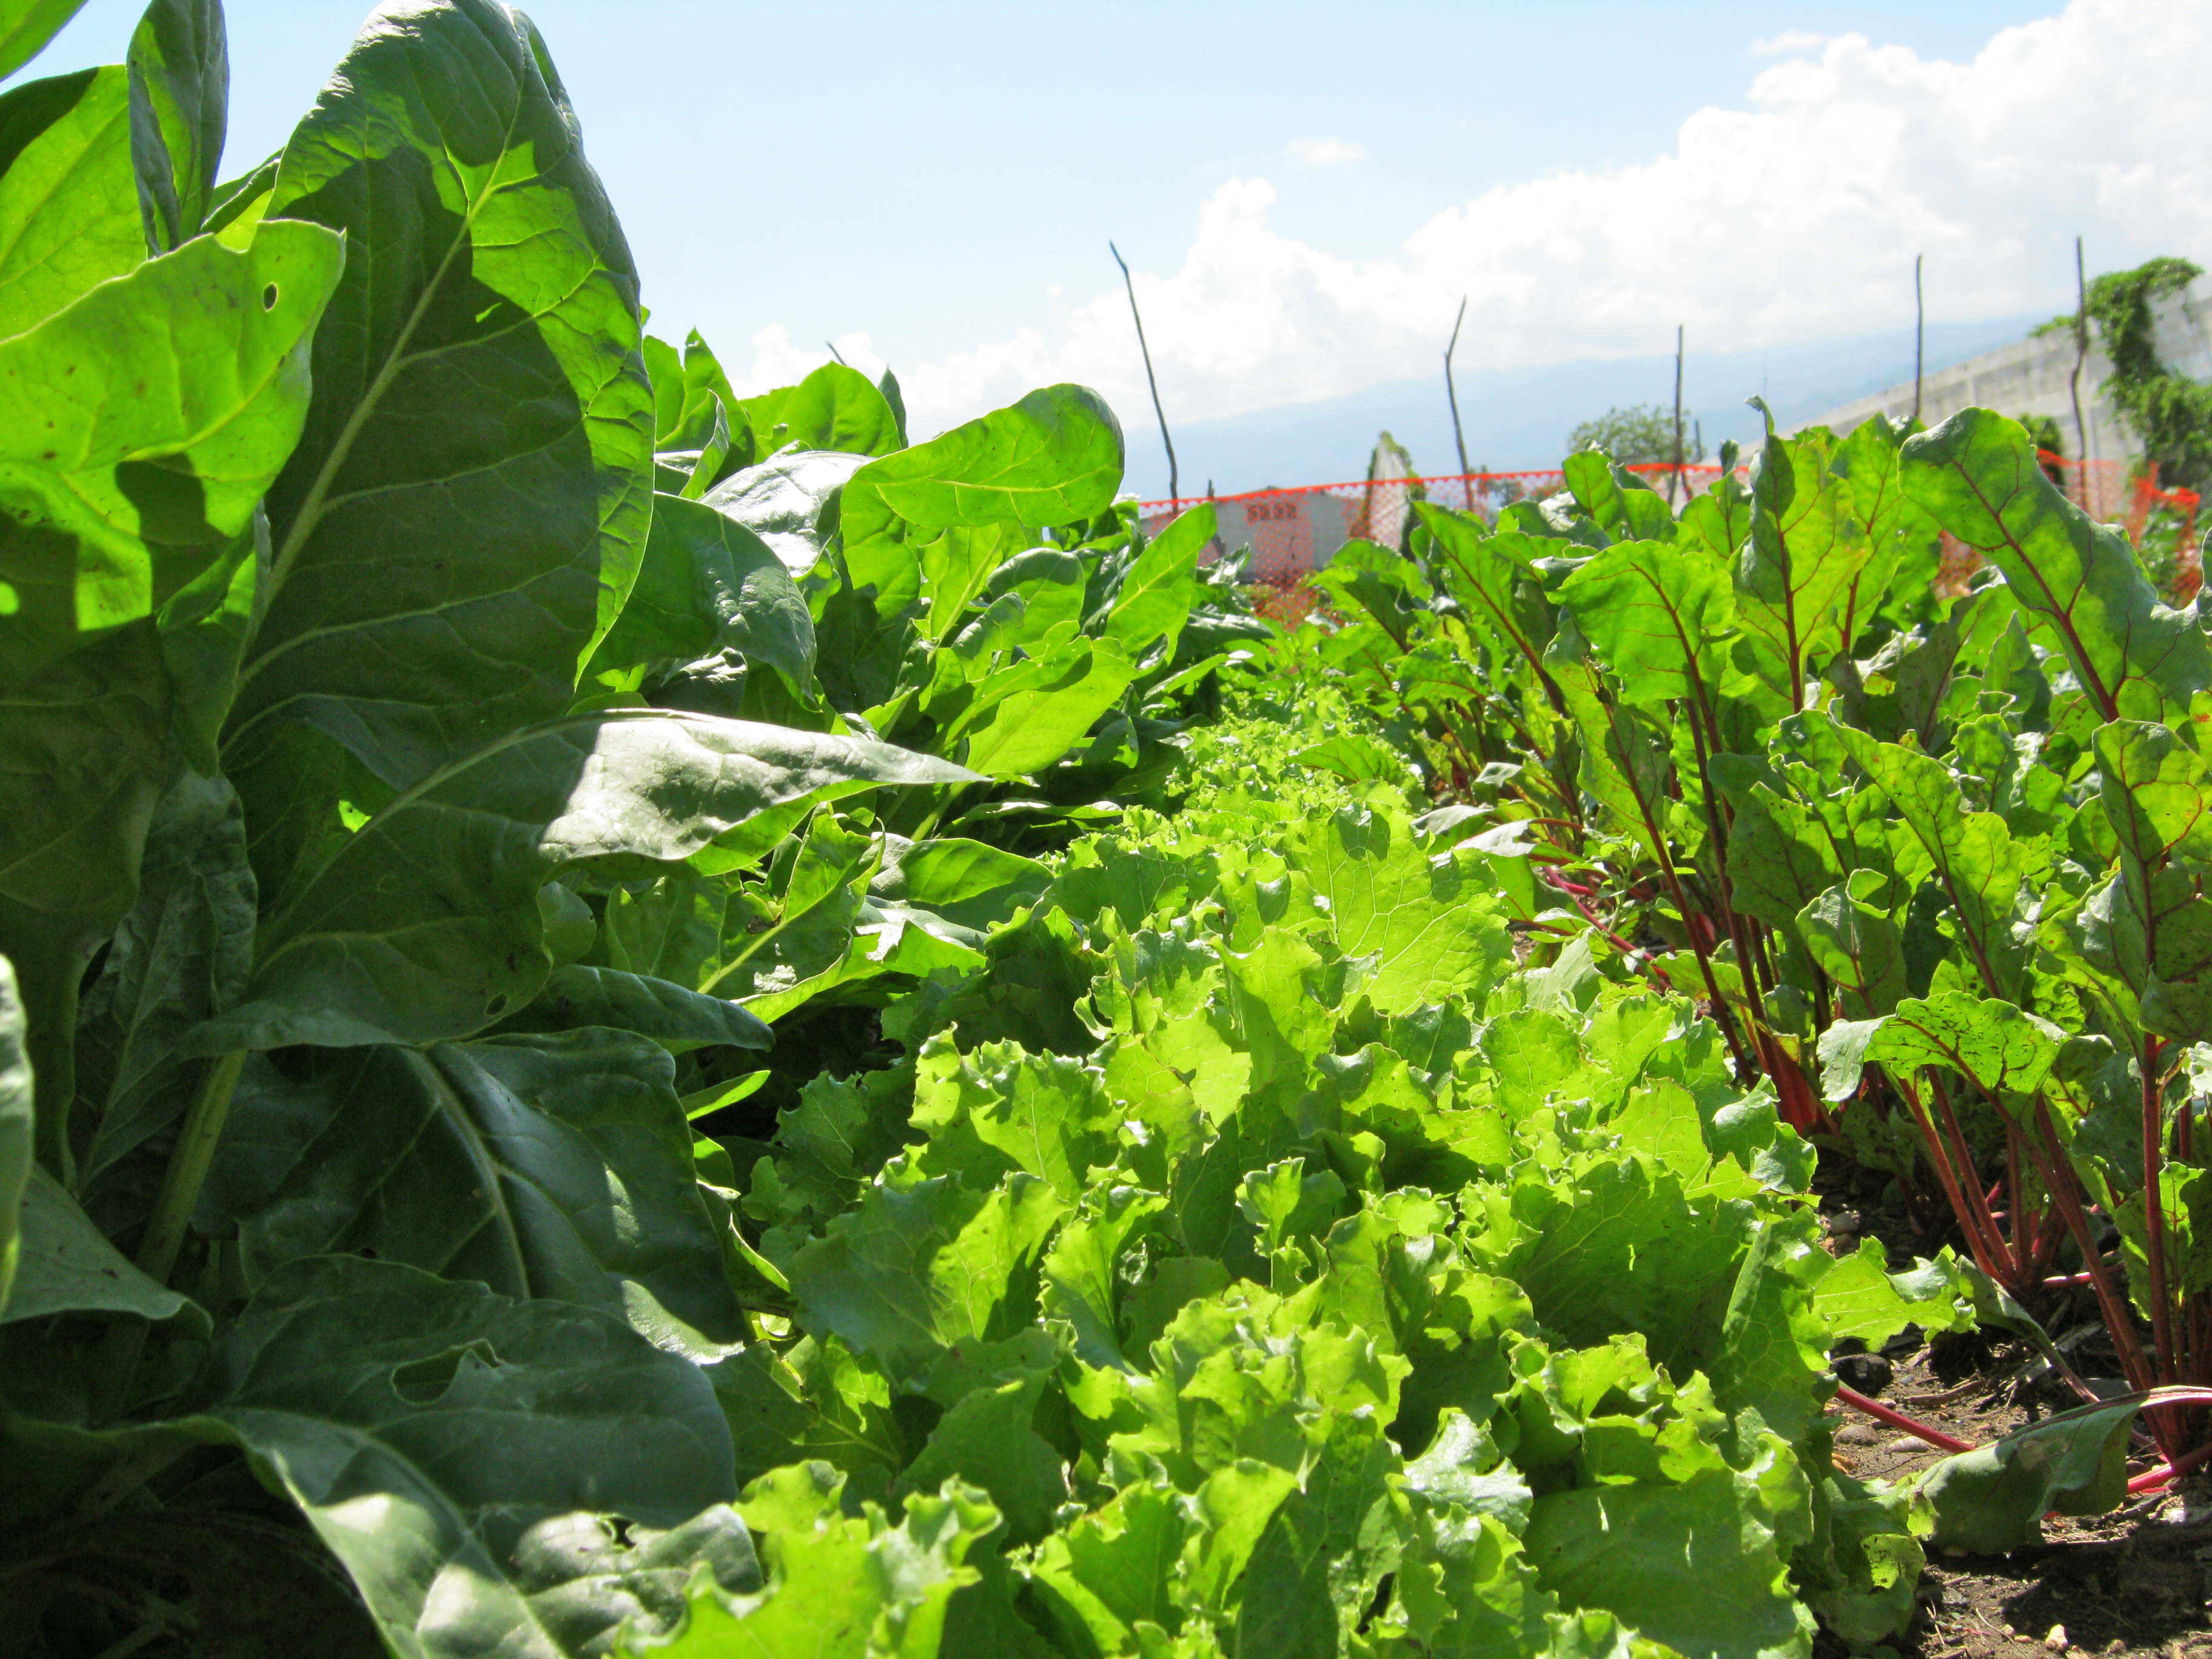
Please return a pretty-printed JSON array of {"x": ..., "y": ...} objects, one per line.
[
  {"x": 440, "y": 1437},
  {"x": 1157, "y": 590},
  {"x": 1028, "y": 714},
  {"x": 1977, "y": 474},
  {"x": 180, "y": 112},
  {"x": 1053, "y": 457},
  {"x": 1657, "y": 614},
  {"x": 835, "y": 408},
  {"x": 181, "y": 956},
  {"x": 710, "y": 587},
  {"x": 576, "y": 995},
  {"x": 144, "y": 422},
  {"x": 1806, "y": 548},
  {"x": 2002, "y": 1049},
  {"x": 25, "y": 26},
  {"x": 1314, "y": 1572},
  {"x": 1483, "y": 572},
  {"x": 1977, "y": 864},
  {"x": 1992, "y": 1499},
  {"x": 424, "y": 925},
  {"x": 1435, "y": 926},
  {"x": 548, "y": 1166},
  {"x": 1694, "y": 1566},
  {"x": 466, "y": 511},
  {"x": 790, "y": 503},
  {"x": 68, "y": 207},
  {"x": 921, "y": 1266},
  {"x": 82, "y": 752},
  {"x": 840, "y": 1585}
]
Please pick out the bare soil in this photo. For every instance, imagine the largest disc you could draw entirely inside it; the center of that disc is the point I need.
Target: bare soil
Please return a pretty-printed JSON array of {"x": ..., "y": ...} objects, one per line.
[{"x": 2136, "y": 1582}]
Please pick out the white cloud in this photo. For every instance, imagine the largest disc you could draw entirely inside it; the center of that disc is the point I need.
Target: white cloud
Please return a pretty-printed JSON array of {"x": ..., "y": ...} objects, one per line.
[
  {"x": 1793, "y": 219},
  {"x": 780, "y": 361},
  {"x": 1324, "y": 152},
  {"x": 1789, "y": 41}
]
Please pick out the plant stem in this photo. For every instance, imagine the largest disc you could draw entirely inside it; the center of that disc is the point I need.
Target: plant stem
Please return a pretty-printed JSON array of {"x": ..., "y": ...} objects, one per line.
[
  {"x": 2074, "y": 381},
  {"x": 2154, "y": 1171},
  {"x": 1897, "y": 1419},
  {"x": 2051, "y": 1162},
  {"x": 1939, "y": 1154},
  {"x": 189, "y": 1162},
  {"x": 2008, "y": 1272}
]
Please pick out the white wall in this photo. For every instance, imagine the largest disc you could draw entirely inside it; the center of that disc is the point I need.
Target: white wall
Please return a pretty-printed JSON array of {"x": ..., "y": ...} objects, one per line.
[{"x": 2031, "y": 376}]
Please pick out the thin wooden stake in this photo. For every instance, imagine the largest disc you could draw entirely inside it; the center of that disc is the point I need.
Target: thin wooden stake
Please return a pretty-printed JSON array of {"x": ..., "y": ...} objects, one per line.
[
  {"x": 1919, "y": 337},
  {"x": 1175, "y": 483},
  {"x": 2080, "y": 358},
  {"x": 1676, "y": 477},
  {"x": 1451, "y": 391}
]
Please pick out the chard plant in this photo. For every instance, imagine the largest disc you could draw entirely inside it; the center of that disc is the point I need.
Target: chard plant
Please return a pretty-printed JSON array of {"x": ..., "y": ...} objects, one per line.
[{"x": 1929, "y": 858}]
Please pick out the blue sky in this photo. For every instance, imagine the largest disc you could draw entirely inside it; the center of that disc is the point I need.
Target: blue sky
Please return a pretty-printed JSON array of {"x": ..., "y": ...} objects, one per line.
[{"x": 1304, "y": 194}]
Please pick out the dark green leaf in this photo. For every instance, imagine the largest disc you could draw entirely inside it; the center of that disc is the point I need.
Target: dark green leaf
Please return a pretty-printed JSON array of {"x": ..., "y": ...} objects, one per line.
[
  {"x": 179, "y": 69},
  {"x": 435, "y": 1433},
  {"x": 708, "y": 584},
  {"x": 424, "y": 924},
  {"x": 576, "y": 996},
  {"x": 1993, "y": 1499},
  {"x": 25, "y": 26},
  {"x": 68, "y": 1266},
  {"x": 466, "y": 511},
  {"x": 552, "y": 1166}
]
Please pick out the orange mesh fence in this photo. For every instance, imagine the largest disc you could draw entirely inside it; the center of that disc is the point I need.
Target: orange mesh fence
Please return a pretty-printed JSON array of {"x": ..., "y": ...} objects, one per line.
[
  {"x": 1294, "y": 531},
  {"x": 2160, "y": 523}
]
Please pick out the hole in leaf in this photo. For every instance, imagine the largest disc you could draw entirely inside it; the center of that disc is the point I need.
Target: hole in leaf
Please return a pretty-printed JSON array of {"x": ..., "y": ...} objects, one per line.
[
  {"x": 496, "y": 1005},
  {"x": 268, "y": 297},
  {"x": 424, "y": 1382}
]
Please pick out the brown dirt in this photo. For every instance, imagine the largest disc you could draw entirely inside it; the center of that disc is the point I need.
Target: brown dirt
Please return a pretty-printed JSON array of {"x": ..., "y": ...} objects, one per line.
[{"x": 2136, "y": 1582}]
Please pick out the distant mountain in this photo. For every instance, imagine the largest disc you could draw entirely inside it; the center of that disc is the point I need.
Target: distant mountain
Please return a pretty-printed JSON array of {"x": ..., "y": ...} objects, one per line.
[{"x": 1519, "y": 418}]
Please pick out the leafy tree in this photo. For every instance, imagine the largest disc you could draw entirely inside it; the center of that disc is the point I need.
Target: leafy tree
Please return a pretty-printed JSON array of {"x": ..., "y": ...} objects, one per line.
[
  {"x": 1638, "y": 434},
  {"x": 2169, "y": 413}
]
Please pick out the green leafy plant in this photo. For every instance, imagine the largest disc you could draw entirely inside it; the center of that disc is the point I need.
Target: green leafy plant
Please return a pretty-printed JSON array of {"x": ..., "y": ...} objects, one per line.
[
  {"x": 639, "y": 1019},
  {"x": 1928, "y": 859},
  {"x": 425, "y": 788}
]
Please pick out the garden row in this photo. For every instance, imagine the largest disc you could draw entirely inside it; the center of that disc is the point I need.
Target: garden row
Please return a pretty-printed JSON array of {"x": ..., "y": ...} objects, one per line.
[{"x": 649, "y": 1021}]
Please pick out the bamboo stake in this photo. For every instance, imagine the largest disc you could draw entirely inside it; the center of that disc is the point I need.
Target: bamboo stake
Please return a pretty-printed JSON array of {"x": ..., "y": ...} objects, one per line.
[
  {"x": 2074, "y": 381},
  {"x": 1466, "y": 472},
  {"x": 1919, "y": 337},
  {"x": 1175, "y": 484},
  {"x": 1676, "y": 477}
]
